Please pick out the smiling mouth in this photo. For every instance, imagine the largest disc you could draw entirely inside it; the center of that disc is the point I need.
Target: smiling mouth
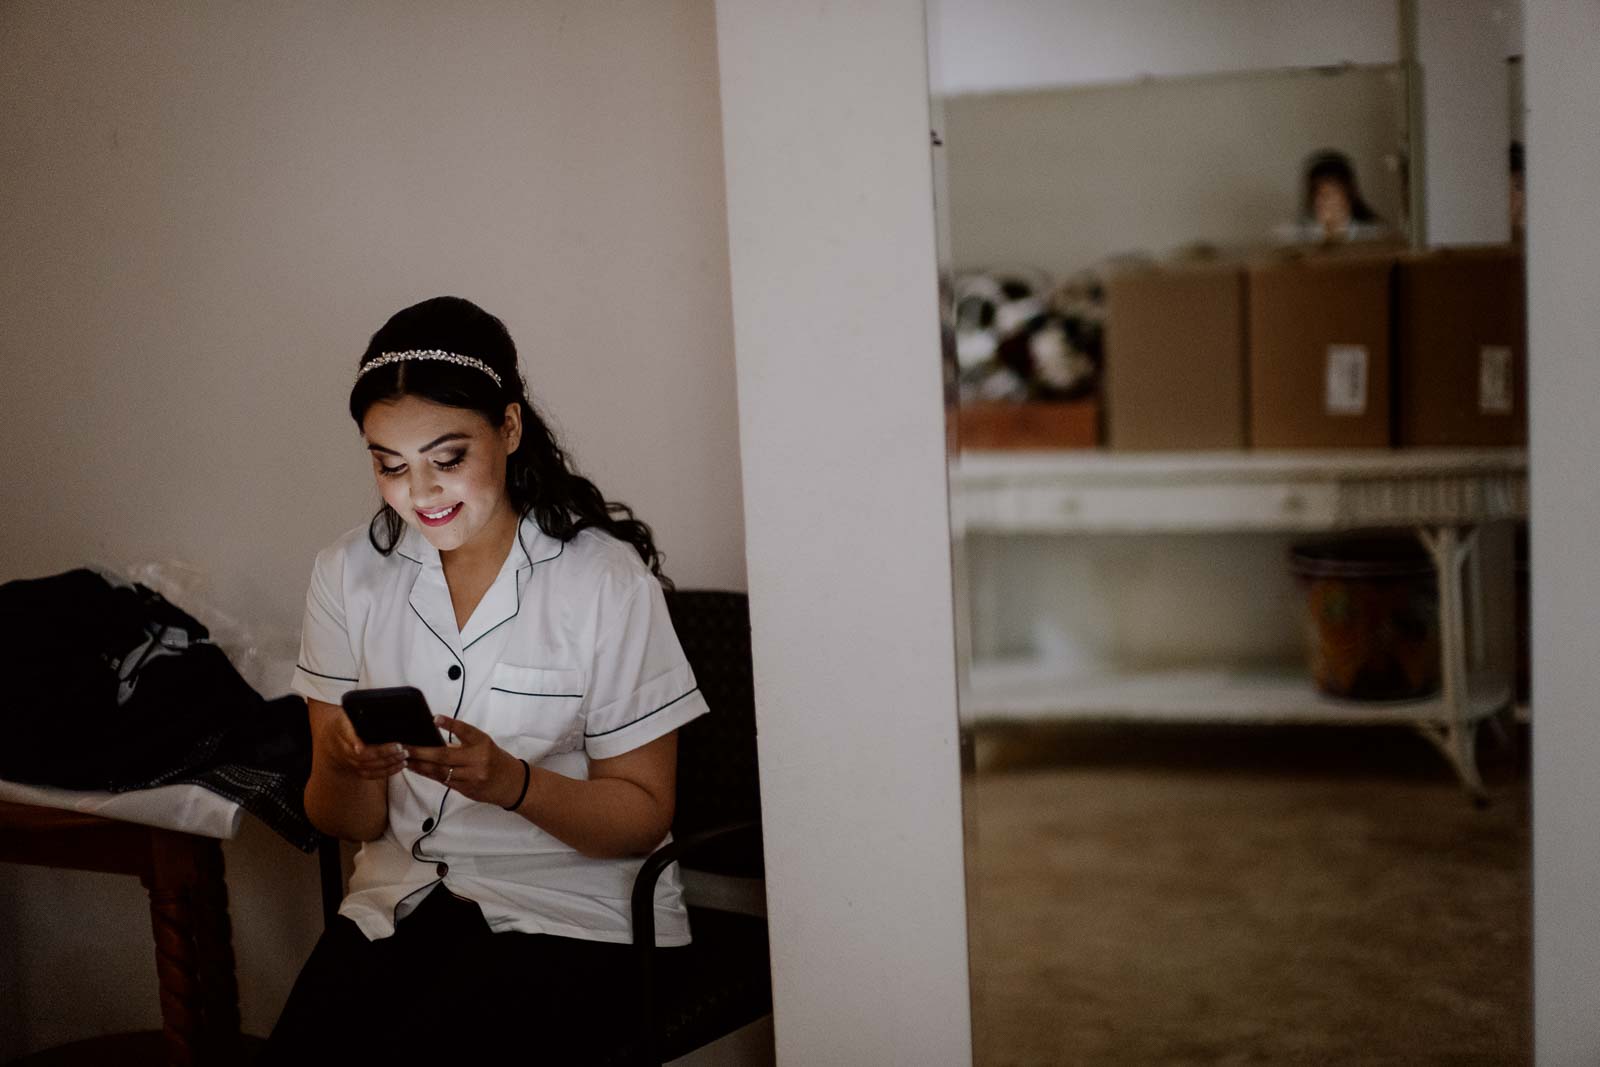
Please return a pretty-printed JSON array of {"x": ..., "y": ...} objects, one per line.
[{"x": 438, "y": 517}]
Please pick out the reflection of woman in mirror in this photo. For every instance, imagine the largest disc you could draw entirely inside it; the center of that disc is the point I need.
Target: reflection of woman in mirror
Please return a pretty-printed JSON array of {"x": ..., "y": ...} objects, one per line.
[
  {"x": 1332, "y": 208},
  {"x": 490, "y": 899}
]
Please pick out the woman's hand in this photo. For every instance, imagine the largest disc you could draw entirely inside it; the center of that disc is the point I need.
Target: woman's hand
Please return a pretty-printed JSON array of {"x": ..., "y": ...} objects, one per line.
[
  {"x": 347, "y": 794},
  {"x": 473, "y": 765},
  {"x": 348, "y": 753}
]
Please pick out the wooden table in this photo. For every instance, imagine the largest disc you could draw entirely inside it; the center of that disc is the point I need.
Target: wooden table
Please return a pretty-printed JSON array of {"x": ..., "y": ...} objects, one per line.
[{"x": 188, "y": 913}]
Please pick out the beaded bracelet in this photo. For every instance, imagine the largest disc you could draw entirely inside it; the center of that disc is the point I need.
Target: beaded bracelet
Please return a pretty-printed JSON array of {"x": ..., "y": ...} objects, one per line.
[{"x": 527, "y": 775}]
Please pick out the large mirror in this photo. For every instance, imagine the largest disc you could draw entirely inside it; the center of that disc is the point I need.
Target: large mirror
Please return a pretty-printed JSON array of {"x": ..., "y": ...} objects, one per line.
[{"x": 1235, "y": 338}]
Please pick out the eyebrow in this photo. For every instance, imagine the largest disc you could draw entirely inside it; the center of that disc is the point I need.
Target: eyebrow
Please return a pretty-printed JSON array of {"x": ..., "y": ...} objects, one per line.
[{"x": 435, "y": 443}]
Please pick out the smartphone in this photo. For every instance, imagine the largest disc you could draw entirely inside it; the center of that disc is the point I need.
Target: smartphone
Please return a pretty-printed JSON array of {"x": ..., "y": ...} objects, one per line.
[{"x": 399, "y": 713}]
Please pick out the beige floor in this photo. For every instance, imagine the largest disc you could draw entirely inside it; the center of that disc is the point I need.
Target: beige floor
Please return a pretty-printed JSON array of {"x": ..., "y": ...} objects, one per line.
[{"x": 1247, "y": 896}]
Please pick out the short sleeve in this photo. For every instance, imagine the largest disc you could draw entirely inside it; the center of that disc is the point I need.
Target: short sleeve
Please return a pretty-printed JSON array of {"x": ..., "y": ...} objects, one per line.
[
  {"x": 326, "y": 669},
  {"x": 640, "y": 687}
]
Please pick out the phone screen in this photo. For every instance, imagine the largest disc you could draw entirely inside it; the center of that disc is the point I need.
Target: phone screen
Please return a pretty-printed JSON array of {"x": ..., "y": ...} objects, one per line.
[{"x": 395, "y": 714}]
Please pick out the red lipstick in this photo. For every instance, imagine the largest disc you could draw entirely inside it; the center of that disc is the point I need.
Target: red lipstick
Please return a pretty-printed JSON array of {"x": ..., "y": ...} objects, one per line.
[{"x": 435, "y": 519}]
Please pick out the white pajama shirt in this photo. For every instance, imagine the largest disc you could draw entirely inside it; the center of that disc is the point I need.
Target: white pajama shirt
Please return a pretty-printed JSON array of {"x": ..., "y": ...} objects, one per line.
[{"x": 569, "y": 656}]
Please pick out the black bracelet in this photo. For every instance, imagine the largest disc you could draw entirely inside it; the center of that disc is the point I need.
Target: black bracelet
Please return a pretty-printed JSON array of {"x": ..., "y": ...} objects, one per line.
[{"x": 527, "y": 775}]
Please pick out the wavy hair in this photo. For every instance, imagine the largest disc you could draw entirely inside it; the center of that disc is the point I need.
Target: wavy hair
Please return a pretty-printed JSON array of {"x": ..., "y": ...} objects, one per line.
[{"x": 540, "y": 478}]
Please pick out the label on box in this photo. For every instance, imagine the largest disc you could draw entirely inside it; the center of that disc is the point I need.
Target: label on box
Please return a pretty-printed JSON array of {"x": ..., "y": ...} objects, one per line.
[
  {"x": 1494, "y": 380},
  {"x": 1347, "y": 380}
]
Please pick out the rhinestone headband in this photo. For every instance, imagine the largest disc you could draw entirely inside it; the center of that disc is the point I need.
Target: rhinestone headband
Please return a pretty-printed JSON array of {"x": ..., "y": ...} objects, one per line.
[{"x": 428, "y": 353}]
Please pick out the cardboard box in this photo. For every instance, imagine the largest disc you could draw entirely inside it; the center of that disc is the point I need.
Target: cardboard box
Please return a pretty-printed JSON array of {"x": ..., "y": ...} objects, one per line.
[
  {"x": 1461, "y": 348},
  {"x": 1319, "y": 366},
  {"x": 1033, "y": 425},
  {"x": 1174, "y": 374}
]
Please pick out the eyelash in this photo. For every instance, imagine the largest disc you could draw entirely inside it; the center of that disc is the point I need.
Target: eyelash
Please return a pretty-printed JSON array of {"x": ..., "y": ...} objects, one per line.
[{"x": 395, "y": 472}]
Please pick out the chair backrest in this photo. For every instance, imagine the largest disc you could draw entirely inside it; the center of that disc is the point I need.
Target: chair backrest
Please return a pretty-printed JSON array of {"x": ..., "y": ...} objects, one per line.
[{"x": 718, "y": 782}]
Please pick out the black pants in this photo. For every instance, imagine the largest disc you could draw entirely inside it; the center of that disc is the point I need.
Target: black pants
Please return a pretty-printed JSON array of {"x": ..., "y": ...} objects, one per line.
[{"x": 444, "y": 988}]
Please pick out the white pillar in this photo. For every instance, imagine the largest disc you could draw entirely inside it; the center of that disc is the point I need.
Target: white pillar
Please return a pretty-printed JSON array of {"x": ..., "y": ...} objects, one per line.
[
  {"x": 1563, "y": 71},
  {"x": 831, "y": 238}
]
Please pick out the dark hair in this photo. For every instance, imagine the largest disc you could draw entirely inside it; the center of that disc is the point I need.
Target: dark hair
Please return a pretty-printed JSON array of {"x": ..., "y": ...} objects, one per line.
[
  {"x": 540, "y": 478},
  {"x": 1332, "y": 165}
]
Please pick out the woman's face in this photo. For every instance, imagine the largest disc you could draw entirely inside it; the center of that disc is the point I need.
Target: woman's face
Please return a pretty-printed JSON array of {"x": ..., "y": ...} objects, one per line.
[
  {"x": 1330, "y": 203},
  {"x": 443, "y": 469}
]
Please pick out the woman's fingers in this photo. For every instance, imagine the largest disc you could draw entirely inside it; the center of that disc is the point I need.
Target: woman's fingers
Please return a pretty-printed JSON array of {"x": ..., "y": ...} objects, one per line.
[
  {"x": 440, "y": 770},
  {"x": 465, "y": 732},
  {"x": 463, "y": 766},
  {"x": 380, "y": 761},
  {"x": 445, "y": 755},
  {"x": 427, "y": 767},
  {"x": 469, "y": 778},
  {"x": 368, "y": 761}
]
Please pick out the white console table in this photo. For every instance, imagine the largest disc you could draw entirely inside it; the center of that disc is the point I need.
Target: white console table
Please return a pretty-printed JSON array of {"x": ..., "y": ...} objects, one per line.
[{"x": 1444, "y": 495}]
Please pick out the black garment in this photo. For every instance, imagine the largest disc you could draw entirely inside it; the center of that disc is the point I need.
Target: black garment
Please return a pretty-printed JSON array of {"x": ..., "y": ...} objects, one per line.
[
  {"x": 444, "y": 988},
  {"x": 124, "y": 690},
  {"x": 266, "y": 761},
  {"x": 121, "y": 688}
]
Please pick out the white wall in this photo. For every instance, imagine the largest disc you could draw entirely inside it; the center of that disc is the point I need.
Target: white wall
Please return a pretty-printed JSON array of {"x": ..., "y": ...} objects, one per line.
[
  {"x": 206, "y": 209},
  {"x": 1462, "y": 46},
  {"x": 1563, "y": 70},
  {"x": 831, "y": 236},
  {"x": 992, "y": 45},
  {"x": 1147, "y": 600},
  {"x": 210, "y": 208}
]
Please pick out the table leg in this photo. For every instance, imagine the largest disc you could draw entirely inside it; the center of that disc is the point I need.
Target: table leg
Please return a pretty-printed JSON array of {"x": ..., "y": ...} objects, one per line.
[
  {"x": 194, "y": 955},
  {"x": 1457, "y": 735},
  {"x": 1477, "y": 630}
]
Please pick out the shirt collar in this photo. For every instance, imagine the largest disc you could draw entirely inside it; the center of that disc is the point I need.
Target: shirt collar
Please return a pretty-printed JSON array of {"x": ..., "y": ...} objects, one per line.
[
  {"x": 430, "y": 595},
  {"x": 531, "y": 547},
  {"x": 413, "y": 546}
]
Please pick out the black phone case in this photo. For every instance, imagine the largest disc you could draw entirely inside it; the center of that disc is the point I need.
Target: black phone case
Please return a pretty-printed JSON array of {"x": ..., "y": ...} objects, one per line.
[{"x": 396, "y": 714}]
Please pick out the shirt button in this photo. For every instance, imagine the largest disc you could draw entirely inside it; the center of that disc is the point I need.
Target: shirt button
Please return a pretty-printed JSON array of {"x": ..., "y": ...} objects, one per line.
[
  {"x": 427, "y": 824},
  {"x": 442, "y": 870},
  {"x": 454, "y": 672}
]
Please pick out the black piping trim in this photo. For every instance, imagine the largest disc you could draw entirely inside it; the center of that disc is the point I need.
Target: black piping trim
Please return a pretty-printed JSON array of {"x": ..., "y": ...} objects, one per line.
[
  {"x": 646, "y": 715},
  {"x": 319, "y": 674},
  {"x": 394, "y": 919},
  {"x": 520, "y": 693},
  {"x": 517, "y": 585},
  {"x": 531, "y": 561},
  {"x": 496, "y": 626},
  {"x": 457, "y": 713},
  {"x": 535, "y": 562},
  {"x": 438, "y": 819}
]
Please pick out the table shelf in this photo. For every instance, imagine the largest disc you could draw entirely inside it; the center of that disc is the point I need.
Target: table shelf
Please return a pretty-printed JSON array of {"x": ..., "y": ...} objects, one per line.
[
  {"x": 1109, "y": 492},
  {"x": 1022, "y": 691}
]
